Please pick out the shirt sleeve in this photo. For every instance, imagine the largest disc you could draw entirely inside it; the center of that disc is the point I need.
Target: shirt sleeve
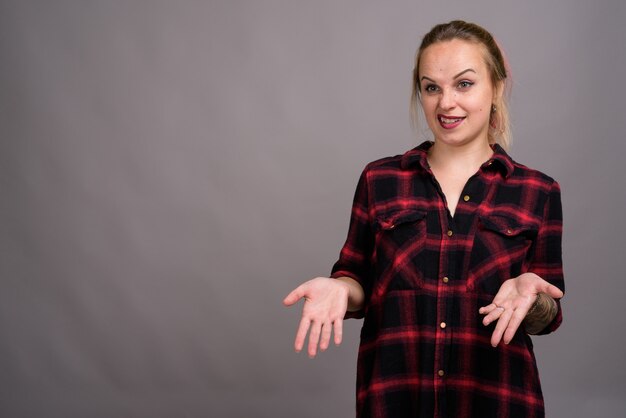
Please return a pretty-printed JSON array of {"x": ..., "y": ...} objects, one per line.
[
  {"x": 547, "y": 260},
  {"x": 355, "y": 256}
]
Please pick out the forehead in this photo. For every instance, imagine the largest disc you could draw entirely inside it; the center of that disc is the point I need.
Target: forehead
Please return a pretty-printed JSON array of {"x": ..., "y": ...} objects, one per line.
[{"x": 448, "y": 58}]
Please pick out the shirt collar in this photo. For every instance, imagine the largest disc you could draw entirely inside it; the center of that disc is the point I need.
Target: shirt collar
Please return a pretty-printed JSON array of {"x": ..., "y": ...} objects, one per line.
[{"x": 418, "y": 156}]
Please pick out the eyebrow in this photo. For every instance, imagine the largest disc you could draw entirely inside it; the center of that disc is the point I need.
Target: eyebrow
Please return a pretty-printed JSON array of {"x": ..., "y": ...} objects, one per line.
[
  {"x": 463, "y": 72},
  {"x": 455, "y": 77}
]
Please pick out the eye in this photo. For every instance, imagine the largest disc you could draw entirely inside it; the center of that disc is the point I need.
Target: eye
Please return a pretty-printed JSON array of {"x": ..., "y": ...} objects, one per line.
[
  {"x": 465, "y": 84},
  {"x": 431, "y": 88}
]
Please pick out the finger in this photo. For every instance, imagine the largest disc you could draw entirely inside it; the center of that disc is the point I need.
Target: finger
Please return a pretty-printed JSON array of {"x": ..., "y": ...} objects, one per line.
[
  {"x": 493, "y": 306},
  {"x": 325, "y": 337},
  {"x": 501, "y": 326},
  {"x": 514, "y": 323},
  {"x": 338, "y": 330},
  {"x": 294, "y": 296},
  {"x": 493, "y": 315},
  {"x": 314, "y": 338},
  {"x": 487, "y": 309},
  {"x": 303, "y": 328}
]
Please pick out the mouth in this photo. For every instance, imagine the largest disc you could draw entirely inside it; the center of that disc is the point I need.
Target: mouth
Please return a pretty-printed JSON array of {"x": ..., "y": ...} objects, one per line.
[{"x": 449, "y": 122}]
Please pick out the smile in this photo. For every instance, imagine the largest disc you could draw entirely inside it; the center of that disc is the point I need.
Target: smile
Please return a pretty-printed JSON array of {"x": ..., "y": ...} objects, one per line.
[{"x": 449, "y": 122}]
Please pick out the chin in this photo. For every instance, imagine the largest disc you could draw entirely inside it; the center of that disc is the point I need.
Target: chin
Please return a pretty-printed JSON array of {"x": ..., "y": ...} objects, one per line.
[
  {"x": 452, "y": 140},
  {"x": 458, "y": 139}
]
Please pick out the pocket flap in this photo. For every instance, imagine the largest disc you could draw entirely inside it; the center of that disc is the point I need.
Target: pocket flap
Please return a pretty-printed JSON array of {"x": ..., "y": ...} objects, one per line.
[
  {"x": 390, "y": 220},
  {"x": 507, "y": 226}
]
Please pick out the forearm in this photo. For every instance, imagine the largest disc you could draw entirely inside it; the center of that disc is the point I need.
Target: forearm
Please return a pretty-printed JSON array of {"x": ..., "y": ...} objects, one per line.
[
  {"x": 542, "y": 312},
  {"x": 356, "y": 295}
]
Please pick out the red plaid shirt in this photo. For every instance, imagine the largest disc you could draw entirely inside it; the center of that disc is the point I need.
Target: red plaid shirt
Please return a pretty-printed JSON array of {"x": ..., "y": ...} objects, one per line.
[{"x": 424, "y": 351}]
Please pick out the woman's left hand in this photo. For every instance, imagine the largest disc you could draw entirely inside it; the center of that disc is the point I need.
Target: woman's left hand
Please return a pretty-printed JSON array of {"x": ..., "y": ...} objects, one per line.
[{"x": 512, "y": 303}]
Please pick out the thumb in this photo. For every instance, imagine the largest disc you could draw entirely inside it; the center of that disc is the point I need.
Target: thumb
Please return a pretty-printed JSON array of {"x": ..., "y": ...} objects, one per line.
[
  {"x": 294, "y": 296},
  {"x": 553, "y": 291}
]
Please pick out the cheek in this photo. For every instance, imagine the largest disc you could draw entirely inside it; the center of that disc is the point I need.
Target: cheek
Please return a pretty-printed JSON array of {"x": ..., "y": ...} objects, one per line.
[
  {"x": 428, "y": 106},
  {"x": 482, "y": 107},
  {"x": 483, "y": 114}
]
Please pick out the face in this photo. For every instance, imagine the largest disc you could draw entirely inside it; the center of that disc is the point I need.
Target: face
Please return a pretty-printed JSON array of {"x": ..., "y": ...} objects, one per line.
[{"x": 456, "y": 92}]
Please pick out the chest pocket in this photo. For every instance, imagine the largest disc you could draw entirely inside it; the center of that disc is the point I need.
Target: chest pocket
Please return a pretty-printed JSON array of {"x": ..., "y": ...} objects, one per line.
[
  {"x": 400, "y": 240},
  {"x": 500, "y": 252}
]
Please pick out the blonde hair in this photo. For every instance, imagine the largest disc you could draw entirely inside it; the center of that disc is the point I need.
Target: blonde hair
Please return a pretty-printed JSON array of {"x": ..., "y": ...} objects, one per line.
[{"x": 499, "y": 122}]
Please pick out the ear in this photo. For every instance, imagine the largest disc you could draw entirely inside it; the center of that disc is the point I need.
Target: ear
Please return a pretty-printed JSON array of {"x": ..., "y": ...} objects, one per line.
[{"x": 498, "y": 91}]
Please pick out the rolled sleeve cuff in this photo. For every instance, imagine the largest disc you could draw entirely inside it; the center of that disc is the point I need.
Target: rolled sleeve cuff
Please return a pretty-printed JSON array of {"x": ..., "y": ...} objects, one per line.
[{"x": 361, "y": 312}]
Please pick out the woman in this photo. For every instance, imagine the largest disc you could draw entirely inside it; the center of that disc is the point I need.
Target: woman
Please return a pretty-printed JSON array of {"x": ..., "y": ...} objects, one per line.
[{"x": 453, "y": 254}]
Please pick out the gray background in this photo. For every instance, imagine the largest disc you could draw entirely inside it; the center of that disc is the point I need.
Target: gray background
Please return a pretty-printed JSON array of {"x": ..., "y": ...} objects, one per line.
[{"x": 170, "y": 170}]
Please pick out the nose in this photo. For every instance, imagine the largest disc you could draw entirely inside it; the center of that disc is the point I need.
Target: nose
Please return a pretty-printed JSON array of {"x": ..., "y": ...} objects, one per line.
[{"x": 447, "y": 100}]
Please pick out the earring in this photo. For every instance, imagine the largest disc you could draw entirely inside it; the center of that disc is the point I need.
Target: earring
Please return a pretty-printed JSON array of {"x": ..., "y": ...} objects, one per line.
[{"x": 493, "y": 108}]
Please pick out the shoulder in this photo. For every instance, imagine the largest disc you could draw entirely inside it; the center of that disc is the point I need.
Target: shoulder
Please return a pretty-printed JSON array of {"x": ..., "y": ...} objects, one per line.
[
  {"x": 385, "y": 172},
  {"x": 531, "y": 177},
  {"x": 414, "y": 157},
  {"x": 390, "y": 162},
  {"x": 520, "y": 175}
]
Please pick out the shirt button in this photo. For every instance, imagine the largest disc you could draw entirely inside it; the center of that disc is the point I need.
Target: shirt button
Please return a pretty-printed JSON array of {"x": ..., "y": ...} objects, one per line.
[
  {"x": 445, "y": 280},
  {"x": 450, "y": 232},
  {"x": 441, "y": 373},
  {"x": 442, "y": 325},
  {"x": 466, "y": 197}
]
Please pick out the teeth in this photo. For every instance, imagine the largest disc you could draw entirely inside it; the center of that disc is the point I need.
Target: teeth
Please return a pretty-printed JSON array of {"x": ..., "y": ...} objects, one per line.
[{"x": 445, "y": 120}]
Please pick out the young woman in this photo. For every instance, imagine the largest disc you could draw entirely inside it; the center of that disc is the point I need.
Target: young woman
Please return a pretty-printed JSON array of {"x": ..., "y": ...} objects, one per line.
[{"x": 453, "y": 254}]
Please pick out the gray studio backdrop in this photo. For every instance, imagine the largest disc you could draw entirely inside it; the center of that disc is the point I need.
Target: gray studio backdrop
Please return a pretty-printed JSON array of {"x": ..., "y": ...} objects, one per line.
[{"x": 169, "y": 170}]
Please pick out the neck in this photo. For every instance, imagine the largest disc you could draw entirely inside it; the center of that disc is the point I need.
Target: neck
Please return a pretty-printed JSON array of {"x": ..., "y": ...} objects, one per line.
[{"x": 460, "y": 159}]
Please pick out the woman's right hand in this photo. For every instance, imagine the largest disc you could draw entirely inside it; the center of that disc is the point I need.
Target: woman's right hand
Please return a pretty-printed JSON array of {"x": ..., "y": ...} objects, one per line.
[{"x": 325, "y": 305}]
